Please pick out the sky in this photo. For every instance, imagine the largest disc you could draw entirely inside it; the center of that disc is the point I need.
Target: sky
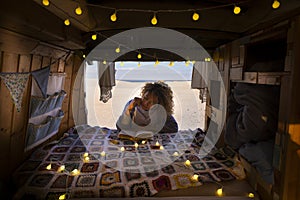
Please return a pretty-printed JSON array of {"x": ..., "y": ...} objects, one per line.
[{"x": 148, "y": 71}]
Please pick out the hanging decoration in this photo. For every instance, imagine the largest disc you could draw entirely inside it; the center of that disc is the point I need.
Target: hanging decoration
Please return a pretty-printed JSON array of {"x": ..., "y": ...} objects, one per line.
[
  {"x": 41, "y": 77},
  {"x": 15, "y": 83}
]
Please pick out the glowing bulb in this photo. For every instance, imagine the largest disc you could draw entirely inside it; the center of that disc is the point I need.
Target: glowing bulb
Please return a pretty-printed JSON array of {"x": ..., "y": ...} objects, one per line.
[
  {"x": 104, "y": 62},
  {"x": 187, "y": 63},
  {"x": 48, "y": 167},
  {"x": 195, "y": 177},
  {"x": 78, "y": 11},
  {"x": 113, "y": 17},
  {"x": 62, "y": 197},
  {"x": 136, "y": 145},
  {"x": 83, "y": 55},
  {"x": 171, "y": 64},
  {"x": 94, "y": 37},
  {"x": 154, "y": 20},
  {"x": 139, "y": 64},
  {"x": 275, "y": 4},
  {"x": 67, "y": 22},
  {"x": 251, "y": 195},
  {"x": 122, "y": 149},
  {"x": 236, "y": 10},
  {"x": 102, "y": 153},
  {"x": 86, "y": 159},
  {"x": 175, "y": 153},
  {"x": 195, "y": 16},
  {"x": 193, "y": 62},
  {"x": 157, "y": 143},
  {"x": 122, "y": 63},
  {"x": 61, "y": 168},
  {"x": 156, "y": 62},
  {"x": 219, "y": 192},
  {"x": 139, "y": 56},
  {"x": 118, "y": 50},
  {"x": 161, "y": 148},
  {"x": 75, "y": 172},
  {"x": 207, "y": 59},
  {"x": 85, "y": 154},
  {"x": 187, "y": 163},
  {"x": 46, "y": 2},
  {"x": 143, "y": 142}
]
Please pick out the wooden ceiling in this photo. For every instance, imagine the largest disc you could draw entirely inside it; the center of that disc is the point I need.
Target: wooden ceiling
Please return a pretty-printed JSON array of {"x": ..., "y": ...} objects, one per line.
[{"x": 217, "y": 24}]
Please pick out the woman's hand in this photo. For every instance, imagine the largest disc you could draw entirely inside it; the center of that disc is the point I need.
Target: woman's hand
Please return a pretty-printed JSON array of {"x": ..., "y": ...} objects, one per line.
[{"x": 135, "y": 102}]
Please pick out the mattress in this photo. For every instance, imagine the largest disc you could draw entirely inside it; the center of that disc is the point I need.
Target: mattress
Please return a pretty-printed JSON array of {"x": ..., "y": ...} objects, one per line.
[{"x": 91, "y": 162}]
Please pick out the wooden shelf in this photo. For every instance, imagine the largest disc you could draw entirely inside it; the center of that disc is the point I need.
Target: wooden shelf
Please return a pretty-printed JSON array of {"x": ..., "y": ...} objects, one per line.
[{"x": 267, "y": 78}]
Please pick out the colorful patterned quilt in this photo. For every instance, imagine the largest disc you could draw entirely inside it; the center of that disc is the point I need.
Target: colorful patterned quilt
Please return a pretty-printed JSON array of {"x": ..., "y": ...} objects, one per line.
[{"x": 93, "y": 162}]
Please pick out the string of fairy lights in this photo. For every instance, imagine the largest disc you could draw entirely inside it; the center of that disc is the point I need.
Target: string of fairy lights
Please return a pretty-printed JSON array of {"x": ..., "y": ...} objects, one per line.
[{"x": 154, "y": 21}]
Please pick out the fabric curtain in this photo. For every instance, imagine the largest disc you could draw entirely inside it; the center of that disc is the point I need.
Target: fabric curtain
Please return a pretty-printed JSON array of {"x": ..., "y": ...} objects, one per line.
[
  {"x": 198, "y": 82},
  {"x": 106, "y": 76}
]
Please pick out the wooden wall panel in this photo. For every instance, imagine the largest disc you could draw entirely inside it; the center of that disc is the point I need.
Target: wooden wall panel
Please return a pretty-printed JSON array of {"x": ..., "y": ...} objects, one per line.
[
  {"x": 66, "y": 106},
  {"x": 9, "y": 64},
  {"x": 13, "y": 124},
  {"x": 19, "y": 123}
]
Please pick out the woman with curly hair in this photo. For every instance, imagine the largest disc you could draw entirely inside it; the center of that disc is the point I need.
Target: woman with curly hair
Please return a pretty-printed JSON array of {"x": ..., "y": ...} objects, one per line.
[{"x": 152, "y": 112}]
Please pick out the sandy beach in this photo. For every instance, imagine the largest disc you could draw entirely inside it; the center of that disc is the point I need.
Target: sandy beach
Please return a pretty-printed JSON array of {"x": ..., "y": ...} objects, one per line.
[{"x": 188, "y": 110}]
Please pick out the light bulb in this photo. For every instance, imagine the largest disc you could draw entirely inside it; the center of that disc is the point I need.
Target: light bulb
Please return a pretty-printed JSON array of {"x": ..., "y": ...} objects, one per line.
[
  {"x": 195, "y": 177},
  {"x": 102, "y": 153},
  {"x": 236, "y": 10},
  {"x": 48, "y": 167},
  {"x": 139, "y": 64},
  {"x": 83, "y": 55},
  {"x": 251, "y": 195},
  {"x": 139, "y": 56},
  {"x": 61, "y": 168},
  {"x": 46, "y": 2},
  {"x": 104, "y": 62},
  {"x": 122, "y": 149},
  {"x": 118, "y": 50},
  {"x": 67, "y": 22},
  {"x": 113, "y": 17},
  {"x": 161, "y": 148},
  {"x": 275, "y": 4},
  {"x": 136, "y": 145},
  {"x": 187, "y": 163},
  {"x": 171, "y": 64},
  {"x": 219, "y": 192},
  {"x": 154, "y": 20},
  {"x": 187, "y": 63},
  {"x": 156, "y": 62},
  {"x": 157, "y": 143},
  {"x": 175, "y": 153},
  {"x": 195, "y": 16},
  {"x": 62, "y": 197},
  {"x": 78, "y": 11},
  {"x": 75, "y": 172},
  {"x": 94, "y": 37}
]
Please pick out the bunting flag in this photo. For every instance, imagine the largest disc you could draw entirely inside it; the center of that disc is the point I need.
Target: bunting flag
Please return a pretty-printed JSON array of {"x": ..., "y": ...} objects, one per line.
[
  {"x": 41, "y": 77},
  {"x": 15, "y": 83}
]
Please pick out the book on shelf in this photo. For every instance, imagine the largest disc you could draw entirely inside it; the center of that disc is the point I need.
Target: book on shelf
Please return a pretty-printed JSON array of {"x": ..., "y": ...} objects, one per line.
[{"x": 135, "y": 135}]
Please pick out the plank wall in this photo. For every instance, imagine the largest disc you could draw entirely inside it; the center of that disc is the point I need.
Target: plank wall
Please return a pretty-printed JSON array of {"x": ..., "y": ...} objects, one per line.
[{"x": 22, "y": 54}]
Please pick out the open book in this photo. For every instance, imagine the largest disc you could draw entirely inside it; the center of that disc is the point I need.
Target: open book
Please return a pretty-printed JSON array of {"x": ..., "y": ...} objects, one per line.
[{"x": 135, "y": 135}]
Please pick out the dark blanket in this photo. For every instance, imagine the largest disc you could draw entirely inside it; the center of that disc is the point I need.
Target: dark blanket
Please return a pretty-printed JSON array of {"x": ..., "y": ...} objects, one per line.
[{"x": 252, "y": 114}]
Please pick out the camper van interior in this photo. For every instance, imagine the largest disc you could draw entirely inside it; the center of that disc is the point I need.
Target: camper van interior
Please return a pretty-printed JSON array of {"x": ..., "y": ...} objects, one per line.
[{"x": 245, "y": 58}]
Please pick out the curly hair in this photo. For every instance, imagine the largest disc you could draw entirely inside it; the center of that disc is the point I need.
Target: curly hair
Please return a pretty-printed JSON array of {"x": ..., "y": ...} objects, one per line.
[{"x": 163, "y": 92}]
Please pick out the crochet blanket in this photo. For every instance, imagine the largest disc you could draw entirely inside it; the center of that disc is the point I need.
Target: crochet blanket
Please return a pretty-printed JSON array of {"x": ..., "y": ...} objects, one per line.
[{"x": 93, "y": 162}]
